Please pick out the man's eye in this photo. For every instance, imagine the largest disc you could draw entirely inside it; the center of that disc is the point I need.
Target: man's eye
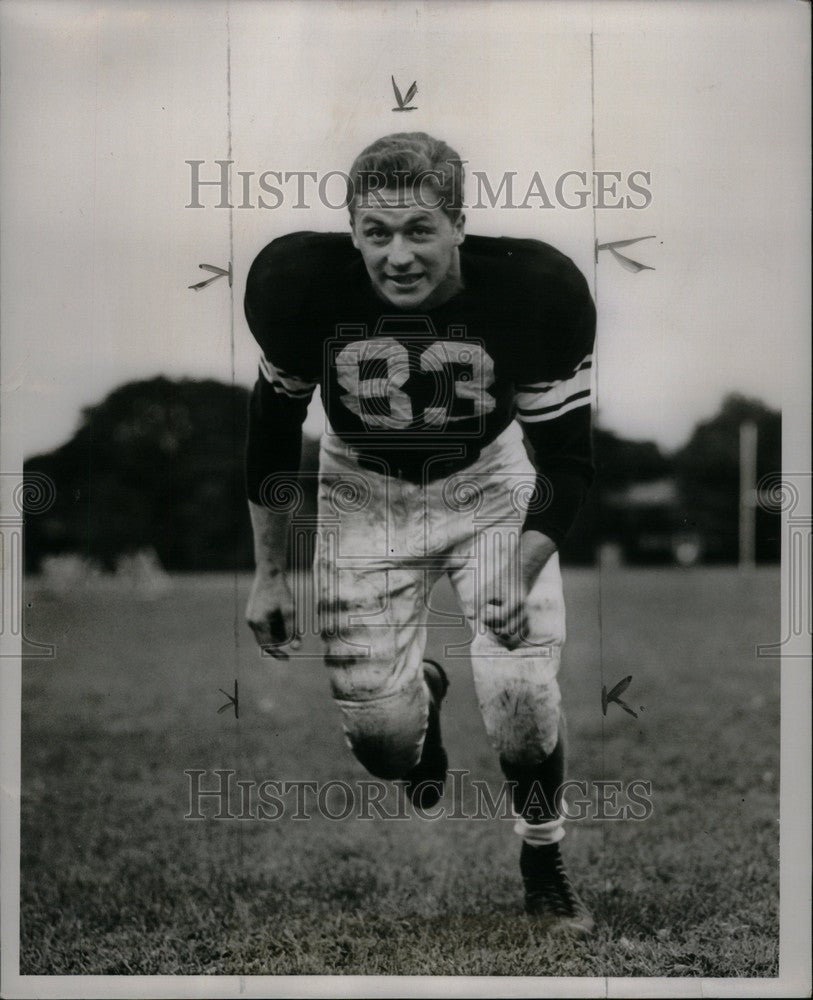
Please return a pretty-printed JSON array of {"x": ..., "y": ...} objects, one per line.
[
  {"x": 422, "y": 231},
  {"x": 375, "y": 234}
]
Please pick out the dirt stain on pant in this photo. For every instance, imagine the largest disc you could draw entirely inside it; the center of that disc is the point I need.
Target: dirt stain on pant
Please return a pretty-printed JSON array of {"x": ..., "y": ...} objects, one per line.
[{"x": 374, "y": 594}]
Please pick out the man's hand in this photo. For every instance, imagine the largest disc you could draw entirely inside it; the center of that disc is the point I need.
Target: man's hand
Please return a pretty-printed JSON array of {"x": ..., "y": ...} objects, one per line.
[
  {"x": 506, "y": 615},
  {"x": 270, "y": 613}
]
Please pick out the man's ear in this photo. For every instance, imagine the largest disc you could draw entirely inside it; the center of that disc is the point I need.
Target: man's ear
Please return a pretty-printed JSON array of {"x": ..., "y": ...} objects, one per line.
[
  {"x": 460, "y": 229},
  {"x": 353, "y": 232}
]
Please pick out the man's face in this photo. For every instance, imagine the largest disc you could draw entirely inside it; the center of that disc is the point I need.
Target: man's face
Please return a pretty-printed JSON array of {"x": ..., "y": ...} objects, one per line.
[{"x": 410, "y": 251}]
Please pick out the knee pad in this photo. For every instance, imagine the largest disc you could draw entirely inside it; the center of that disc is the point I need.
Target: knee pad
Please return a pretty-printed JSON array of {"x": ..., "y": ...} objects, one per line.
[
  {"x": 520, "y": 703},
  {"x": 386, "y": 734}
]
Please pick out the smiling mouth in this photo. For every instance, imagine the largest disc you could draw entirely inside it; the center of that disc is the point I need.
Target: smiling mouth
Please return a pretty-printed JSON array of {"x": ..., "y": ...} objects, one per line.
[{"x": 404, "y": 280}]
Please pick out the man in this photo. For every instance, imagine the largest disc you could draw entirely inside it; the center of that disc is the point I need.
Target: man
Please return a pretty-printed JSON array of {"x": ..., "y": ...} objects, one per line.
[{"x": 426, "y": 348}]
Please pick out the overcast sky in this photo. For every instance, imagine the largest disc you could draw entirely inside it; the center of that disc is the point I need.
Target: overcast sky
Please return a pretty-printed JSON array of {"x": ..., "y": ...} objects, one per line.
[{"x": 102, "y": 104}]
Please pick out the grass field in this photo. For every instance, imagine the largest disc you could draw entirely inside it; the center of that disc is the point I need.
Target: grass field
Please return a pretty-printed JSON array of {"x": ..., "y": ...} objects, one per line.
[{"x": 114, "y": 880}]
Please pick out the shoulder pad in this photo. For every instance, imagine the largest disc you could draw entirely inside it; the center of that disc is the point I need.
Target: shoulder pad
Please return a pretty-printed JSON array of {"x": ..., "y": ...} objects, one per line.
[
  {"x": 286, "y": 275},
  {"x": 539, "y": 276},
  {"x": 523, "y": 258}
]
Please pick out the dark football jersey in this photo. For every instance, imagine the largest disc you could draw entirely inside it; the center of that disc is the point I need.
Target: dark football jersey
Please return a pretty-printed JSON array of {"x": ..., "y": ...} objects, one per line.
[{"x": 419, "y": 394}]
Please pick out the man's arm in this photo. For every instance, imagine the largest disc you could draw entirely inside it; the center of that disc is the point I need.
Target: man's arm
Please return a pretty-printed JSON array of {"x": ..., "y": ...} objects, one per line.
[
  {"x": 557, "y": 423},
  {"x": 554, "y": 403},
  {"x": 278, "y": 407},
  {"x": 554, "y": 408},
  {"x": 561, "y": 444},
  {"x": 270, "y": 612}
]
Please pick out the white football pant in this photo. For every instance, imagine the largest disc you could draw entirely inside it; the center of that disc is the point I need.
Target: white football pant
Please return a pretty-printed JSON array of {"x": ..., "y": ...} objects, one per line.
[{"x": 383, "y": 542}]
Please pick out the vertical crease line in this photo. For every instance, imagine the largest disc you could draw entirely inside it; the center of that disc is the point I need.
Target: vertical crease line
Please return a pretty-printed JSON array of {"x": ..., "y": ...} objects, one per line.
[
  {"x": 235, "y": 598},
  {"x": 596, "y": 369}
]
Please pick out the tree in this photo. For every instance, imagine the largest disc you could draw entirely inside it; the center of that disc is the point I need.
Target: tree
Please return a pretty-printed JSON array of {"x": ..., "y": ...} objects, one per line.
[{"x": 158, "y": 464}]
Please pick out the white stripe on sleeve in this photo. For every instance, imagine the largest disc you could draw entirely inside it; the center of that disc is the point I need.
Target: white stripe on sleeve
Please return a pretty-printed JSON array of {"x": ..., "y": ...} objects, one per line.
[
  {"x": 548, "y": 400},
  {"x": 285, "y": 383}
]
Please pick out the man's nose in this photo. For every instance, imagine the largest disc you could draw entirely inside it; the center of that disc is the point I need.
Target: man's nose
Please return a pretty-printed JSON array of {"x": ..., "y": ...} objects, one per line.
[{"x": 400, "y": 254}]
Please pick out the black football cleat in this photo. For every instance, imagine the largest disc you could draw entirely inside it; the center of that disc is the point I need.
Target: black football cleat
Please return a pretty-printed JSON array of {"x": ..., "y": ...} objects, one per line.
[
  {"x": 424, "y": 783},
  {"x": 549, "y": 896}
]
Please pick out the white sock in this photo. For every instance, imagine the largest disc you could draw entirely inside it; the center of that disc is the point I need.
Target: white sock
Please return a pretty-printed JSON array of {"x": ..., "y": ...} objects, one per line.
[{"x": 539, "y": 834}]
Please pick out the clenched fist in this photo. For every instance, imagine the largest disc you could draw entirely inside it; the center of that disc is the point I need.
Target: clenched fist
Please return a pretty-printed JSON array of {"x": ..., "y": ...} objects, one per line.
[
  {"x": 506, "y": 615},
  {"x": 270, "y": 613}
]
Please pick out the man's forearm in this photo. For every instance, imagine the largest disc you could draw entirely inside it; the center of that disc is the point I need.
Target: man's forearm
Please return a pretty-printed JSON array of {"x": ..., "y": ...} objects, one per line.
[
  {"x": 537, "y": 548},
  {"x": 273, "y": 449},
  {"x": 563, "y": 456},
  {"x": 270, "y": 529}
]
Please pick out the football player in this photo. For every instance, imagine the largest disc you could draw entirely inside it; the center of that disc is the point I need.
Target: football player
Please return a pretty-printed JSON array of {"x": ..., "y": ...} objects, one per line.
[{"x": 437, "y": 355}]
